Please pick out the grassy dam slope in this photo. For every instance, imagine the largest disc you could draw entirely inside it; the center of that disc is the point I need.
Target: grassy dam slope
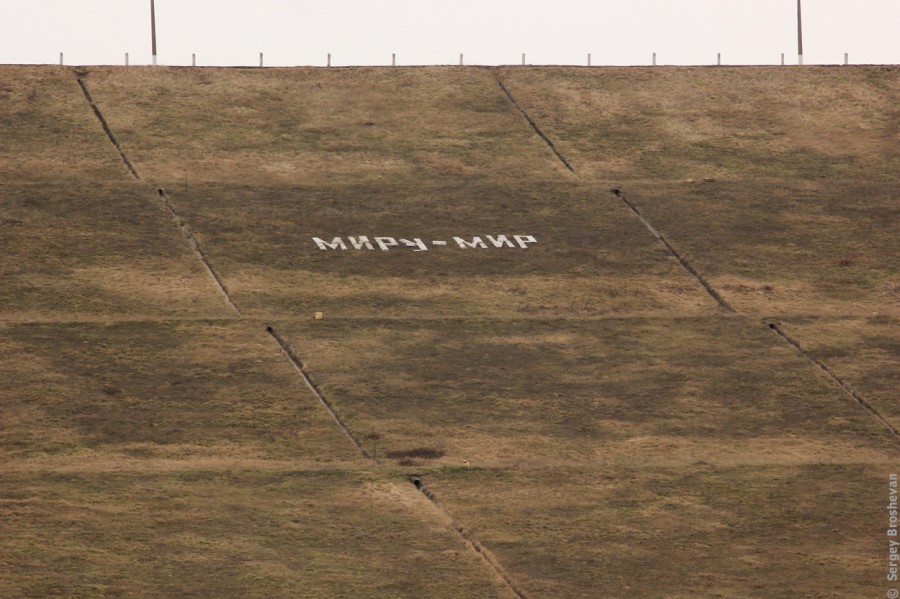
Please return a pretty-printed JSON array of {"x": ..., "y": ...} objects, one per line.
[{"x": 444, "y": 332}]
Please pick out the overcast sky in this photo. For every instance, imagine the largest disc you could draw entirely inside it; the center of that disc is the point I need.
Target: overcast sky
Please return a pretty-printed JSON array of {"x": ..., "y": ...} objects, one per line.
[{"x": 367, "y": 32}]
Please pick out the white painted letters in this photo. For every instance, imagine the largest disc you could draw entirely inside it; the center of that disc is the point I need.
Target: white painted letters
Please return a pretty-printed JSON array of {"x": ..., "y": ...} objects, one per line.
[
  {"x": 500, "y": 241},
  {"x": 386, "y": 243},
  {"x": 336, "y": 243},
  {"x": 417, "y": 244},
  {"x": 360, "y": 242},
  {"x": 524, "y": 240},
  {"x": 475, "y": 243}
]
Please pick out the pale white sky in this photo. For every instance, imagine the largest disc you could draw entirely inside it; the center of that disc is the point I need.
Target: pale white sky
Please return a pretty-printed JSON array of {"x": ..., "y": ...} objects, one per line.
[{"x": 490, "y": 32}]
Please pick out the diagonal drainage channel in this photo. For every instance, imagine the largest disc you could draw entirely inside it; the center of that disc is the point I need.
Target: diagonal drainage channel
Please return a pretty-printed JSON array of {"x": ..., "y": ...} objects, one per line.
[
  {"x": 533, "y": 124},
  {"x": 469, "y": 539},
  {"x": 853, "y": 393},
  {"x": 618, "y": 193},
  {"x": 182, "y": 225},
  {"x": 106, "y": 129},
  {"x": 301, "y": 370},
  {"x": 195, "y": 245},
  {"x": 673, "y": 252}
]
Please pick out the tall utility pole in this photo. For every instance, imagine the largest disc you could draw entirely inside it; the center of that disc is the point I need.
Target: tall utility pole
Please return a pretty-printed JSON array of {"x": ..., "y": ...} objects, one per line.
[
  {"x": 153, "y": 29},
  {"x": 799, "y": 35}
]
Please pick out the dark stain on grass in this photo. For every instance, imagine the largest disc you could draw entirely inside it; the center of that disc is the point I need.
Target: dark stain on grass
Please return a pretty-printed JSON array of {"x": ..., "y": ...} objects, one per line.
[{"x": 425, "y": 453}]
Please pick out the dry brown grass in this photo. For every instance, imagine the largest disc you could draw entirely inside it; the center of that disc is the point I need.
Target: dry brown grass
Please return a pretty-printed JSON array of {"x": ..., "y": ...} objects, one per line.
[
  {"x": 617, "y": 391},
  {"x": 171, "y": 391},
  {"x": 864, "y": 352},
  {"x": 48, "y": 132},
  {"x": 778, "y": 247},
  {"x": 591, "y": 259},
  {"x": 686, "y": 122},
  {"x": 692, "y": 531},
  {"x": 93, "y": 249},
  {"x": 230, "y": 534},
  {"x": 317, "y": 125},
  {"x": 583, "y": 406}
]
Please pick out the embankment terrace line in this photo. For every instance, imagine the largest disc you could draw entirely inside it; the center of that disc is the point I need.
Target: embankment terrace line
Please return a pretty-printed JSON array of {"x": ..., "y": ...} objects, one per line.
[{"x": 418, "y": 245}]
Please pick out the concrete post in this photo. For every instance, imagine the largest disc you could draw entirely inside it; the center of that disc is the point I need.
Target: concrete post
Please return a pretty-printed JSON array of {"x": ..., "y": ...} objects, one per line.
[
  {"x": 260, "y": 59},
  {"x": 589, "y": 59},
  {"x": 654, "y": 59},
  {"x": 846, "y": 58},
  {"x": 782, "y": 59},
  {"x": 460, "y": 59},
  {"x": 193, "y": 60},
  {"x": 719, "y": 59},
  {"x": 329, "y": 60},
  {"x": 153, "y": 30},
  {"x": 126, "y": 59},
  {"x": 523, "y": 59},
  {"x": 393, "y": 60},
  {"x": 60, "y": 59}
]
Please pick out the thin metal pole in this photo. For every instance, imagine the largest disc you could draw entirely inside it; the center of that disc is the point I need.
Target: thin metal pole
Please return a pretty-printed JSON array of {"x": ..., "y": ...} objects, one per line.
[
  {"x": 799, "y": 35},
  {"x": 153, "y": 29}
]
